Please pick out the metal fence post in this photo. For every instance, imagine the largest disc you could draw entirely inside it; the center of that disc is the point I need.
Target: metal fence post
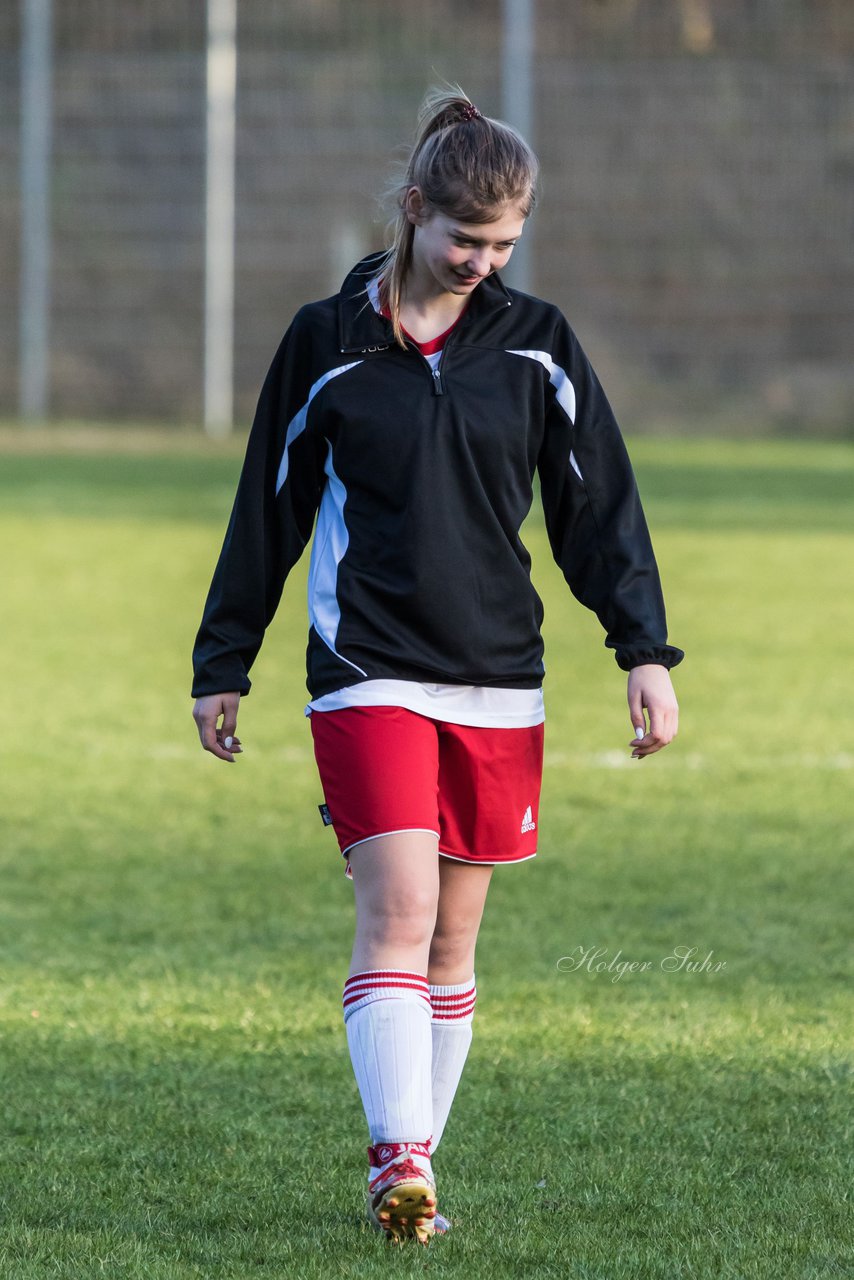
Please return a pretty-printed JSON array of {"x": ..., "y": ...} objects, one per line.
[
  {"x": 517, "y": 108},
  {"x": 34, "y": 301},
  {"x": 219, "y": 217}
]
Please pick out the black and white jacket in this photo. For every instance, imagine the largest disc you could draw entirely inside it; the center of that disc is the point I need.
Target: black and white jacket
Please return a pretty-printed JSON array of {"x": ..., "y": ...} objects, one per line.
[{"x": 420, "y": 481}]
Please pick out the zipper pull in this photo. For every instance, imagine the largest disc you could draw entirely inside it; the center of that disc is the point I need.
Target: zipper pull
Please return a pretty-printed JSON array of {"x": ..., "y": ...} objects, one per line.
[{"x": 438, "y": 388}]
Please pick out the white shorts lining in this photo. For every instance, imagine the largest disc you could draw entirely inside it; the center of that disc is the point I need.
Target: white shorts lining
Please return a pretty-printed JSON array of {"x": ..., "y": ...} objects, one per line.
[
  {"x": 481, "y": 862},
  {"x": 399, "y": 831}
]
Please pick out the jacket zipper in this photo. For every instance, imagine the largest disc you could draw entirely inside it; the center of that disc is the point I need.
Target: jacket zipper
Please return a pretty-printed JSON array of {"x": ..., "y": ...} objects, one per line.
[{"x": 436, "y": 374}]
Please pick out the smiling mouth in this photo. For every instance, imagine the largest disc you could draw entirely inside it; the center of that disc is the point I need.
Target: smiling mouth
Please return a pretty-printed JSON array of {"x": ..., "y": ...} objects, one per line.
[{"x": 466, "y": 279}]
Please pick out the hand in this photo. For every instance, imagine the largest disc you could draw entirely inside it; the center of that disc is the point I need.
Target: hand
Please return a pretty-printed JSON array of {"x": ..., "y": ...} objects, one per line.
[
  {"x": 206, "y": 712},
  {"x": 650, "y": 686}
]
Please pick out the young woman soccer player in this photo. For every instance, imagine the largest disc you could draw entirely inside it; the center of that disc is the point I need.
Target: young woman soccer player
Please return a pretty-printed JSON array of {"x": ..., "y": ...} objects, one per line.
[{"x": 408, "y": 414}]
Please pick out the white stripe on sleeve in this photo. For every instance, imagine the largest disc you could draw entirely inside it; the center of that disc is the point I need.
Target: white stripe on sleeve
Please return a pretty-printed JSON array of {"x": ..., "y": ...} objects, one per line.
[
  {"x": 297, "y": 423},
  {"x": 564, "y": 390}
]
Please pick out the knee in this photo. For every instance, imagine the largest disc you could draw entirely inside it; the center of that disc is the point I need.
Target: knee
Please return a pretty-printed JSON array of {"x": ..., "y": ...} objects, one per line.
[
  {"x": 452, "y": 950},
  {"x": 406, "y": 920}
]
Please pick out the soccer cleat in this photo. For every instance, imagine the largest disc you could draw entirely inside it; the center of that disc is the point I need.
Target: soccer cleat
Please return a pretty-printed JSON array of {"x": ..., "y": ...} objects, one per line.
[{"x": 402, "y": 1192}]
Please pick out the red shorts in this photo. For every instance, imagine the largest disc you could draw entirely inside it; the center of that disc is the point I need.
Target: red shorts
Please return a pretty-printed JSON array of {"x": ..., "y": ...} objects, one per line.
[{"x": 387, "y": 769}]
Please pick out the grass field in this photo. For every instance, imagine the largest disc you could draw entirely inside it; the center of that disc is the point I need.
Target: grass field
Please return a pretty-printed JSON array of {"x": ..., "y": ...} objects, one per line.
[{"x": 177, "y": 1099}]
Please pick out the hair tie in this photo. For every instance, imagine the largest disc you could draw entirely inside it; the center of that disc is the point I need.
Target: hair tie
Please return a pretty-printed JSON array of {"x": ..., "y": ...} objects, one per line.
[{"x": 469, "y": 112}]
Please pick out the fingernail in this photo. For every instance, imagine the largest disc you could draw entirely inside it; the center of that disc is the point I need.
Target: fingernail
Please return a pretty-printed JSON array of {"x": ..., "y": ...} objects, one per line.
[
  {"x": 639, "y": 733},
  {"x": 228, "y": 743}
]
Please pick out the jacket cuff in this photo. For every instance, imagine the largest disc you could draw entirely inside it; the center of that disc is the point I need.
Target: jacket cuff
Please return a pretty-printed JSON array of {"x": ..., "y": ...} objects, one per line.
[
  {"x": 205, "y": 684},
  {"x": 665, "y": 655}
]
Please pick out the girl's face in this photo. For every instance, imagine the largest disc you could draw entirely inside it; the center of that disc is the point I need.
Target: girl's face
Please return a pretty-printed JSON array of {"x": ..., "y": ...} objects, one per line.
[{"x": 450, "y": 256}]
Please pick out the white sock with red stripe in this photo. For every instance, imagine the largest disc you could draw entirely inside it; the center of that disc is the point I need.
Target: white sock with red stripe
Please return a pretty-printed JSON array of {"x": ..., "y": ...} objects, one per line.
[
  {"x": 453, "y": 1011},
  {"x": 387, "y": 1016}
]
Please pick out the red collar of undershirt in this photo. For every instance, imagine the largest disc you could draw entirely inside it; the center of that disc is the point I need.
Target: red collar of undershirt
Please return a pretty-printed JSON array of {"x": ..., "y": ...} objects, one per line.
[{"x": 434, "y": 345}]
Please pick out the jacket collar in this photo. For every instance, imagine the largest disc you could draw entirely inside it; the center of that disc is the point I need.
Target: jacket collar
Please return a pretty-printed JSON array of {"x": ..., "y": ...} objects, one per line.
[{"x": 362, "y": 328}]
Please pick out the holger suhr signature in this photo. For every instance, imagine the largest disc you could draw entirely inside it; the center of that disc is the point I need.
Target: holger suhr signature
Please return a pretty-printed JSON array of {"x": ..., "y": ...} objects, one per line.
[{"x": 680, "y": 960}]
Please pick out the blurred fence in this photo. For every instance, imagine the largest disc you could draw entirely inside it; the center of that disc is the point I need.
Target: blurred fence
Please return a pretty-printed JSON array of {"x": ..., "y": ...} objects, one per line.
[{"x": 696, "y": 221}]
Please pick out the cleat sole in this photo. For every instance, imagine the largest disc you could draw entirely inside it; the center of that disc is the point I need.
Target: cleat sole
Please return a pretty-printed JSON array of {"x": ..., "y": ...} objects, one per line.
[{"x": 406, "y": 1214}]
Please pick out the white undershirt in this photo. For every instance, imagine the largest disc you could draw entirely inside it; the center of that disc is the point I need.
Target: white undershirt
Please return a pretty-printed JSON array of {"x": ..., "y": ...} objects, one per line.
[{"x": 456, "y": 703}]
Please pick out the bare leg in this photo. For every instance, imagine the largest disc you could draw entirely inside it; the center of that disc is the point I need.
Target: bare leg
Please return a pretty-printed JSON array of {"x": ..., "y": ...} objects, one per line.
[
  {"x": 462, "y": 897},
  {"x": 396, "y": 882}
]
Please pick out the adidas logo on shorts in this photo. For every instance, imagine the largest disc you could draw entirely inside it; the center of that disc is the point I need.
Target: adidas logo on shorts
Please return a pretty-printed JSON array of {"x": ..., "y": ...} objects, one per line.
[{"x": 528, "y": 823}]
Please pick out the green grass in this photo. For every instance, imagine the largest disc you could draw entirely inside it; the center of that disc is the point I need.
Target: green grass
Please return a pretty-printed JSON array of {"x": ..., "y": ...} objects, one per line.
[{"x": 177, "y": 1099}]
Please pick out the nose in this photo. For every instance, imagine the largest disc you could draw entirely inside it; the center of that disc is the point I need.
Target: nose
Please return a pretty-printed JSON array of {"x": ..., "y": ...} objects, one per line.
[{"x": 478, "y": 263}]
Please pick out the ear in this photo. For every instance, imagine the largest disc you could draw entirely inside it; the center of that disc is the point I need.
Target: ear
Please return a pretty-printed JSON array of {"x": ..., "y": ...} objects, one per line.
[{"x": 415, "y": 207}]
